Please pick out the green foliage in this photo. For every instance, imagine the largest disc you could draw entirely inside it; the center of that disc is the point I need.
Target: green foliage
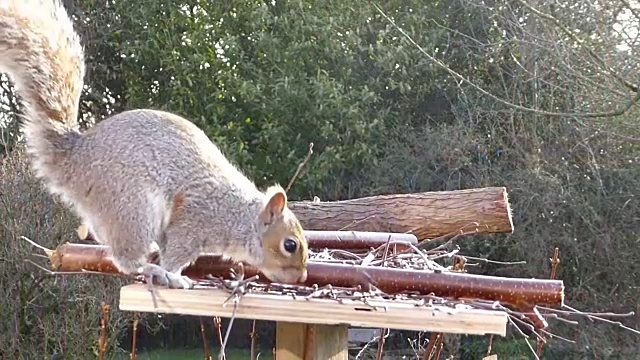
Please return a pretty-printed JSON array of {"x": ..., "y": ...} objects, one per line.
[{"x": 270, "y": 79}]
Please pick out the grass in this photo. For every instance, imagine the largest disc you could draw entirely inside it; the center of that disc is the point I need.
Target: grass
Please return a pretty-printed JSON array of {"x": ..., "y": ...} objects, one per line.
[{"x": 195, "y": 354}]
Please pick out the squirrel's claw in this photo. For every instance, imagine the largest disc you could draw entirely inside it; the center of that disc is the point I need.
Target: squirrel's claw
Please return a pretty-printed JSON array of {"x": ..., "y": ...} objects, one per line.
[
  {"x": 163, "y": 277},
  {"x": 176, "y": 281},
  {"x": 154, "y": 274},
  {"x": 237, "y": 286}
]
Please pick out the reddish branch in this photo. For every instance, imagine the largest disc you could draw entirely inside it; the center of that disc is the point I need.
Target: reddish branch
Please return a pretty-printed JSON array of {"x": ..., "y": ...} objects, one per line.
[
  {"x": 520, "y": 293},
  {"x": 102, "y": 341},
  {"x": 134, "y": 341}
]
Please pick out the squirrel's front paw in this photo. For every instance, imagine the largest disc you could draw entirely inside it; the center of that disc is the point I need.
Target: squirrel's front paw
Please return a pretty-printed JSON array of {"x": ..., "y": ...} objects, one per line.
[
  {"x": 162, "y": 277},
  {"x": 176, "y": 281}
]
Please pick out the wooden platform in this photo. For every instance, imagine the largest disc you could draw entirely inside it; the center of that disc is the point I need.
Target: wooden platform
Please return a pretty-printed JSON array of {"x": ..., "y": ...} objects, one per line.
[{"x": 399, "y": 315}]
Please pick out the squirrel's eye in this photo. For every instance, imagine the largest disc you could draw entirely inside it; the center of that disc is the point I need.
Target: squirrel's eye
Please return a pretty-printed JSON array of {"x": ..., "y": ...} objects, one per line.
[{"x": 290, "y": 245}]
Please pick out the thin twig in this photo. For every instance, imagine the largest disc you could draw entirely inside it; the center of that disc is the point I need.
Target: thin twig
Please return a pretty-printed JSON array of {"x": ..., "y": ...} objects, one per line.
[
  {"x": 592, "y": 318},
  {"x": 103, "y": 330},
  {"x": 222, "y": 355},
  {"x": 300, "y": 166},
  {"x": 419, "y": 252},
  {"x": 83, "y": 272},
  {"x": 205, "y": 345},
  {"x": 217, "y": 324},
  {"x": 253, "y": 335},
  {"x": 486, "y": 93},
  {"x": 522, "y": 262},
  {"x": 555, "y": 261},
  {"x": 557, "y": 336},
  {"x": 134, "y": 336},
  {"x": 434, "y": 340},
  {"x": 583, "y": 313},
  {"x": 574, "y": 37},
  {"x": 526, "y": 337},
  {"x": 440, "y": 346},
  {"x": 356, "y": 222},
  {"x": 369, "y": 343},
  {"x": 454, "y": 235},
  {"x": 489, "y": 346},
  {"x": 35, "y": 244}
]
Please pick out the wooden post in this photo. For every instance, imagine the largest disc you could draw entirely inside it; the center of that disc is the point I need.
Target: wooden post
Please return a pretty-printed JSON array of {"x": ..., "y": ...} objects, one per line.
[{"x": 300, "y": 341}]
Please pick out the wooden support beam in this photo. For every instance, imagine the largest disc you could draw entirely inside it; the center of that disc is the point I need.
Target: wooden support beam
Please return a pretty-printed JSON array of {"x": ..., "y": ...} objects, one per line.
[
  {"x": 426, "y": 215},
  {"x": 395, "y": 314},
  {"x": 298, "y": 341}
]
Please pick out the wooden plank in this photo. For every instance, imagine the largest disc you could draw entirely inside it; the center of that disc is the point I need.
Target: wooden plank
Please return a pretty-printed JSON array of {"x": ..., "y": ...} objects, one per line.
[
  {"x": 297, "y": 341},
  {"x": 388, "y": 314}
]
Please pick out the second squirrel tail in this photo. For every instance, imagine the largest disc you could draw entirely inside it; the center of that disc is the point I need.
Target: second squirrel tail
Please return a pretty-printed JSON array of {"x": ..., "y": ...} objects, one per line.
[{"x": 42, "y": 54}]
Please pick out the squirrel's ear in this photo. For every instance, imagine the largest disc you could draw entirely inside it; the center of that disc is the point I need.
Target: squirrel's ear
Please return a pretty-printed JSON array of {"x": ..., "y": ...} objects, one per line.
[{"x": 277, "y": 200}]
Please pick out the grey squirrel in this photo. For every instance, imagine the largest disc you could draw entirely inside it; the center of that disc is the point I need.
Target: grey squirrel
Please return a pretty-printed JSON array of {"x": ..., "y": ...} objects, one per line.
[{"x": 142, "y": 176}]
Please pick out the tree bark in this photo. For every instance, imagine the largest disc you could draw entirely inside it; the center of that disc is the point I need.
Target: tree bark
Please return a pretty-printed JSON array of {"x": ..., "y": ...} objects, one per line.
[{"x": 426, "y": 215}]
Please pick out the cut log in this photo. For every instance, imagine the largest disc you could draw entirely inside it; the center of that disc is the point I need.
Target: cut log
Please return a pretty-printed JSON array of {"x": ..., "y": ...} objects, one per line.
[{"x": 426, "y": 215}]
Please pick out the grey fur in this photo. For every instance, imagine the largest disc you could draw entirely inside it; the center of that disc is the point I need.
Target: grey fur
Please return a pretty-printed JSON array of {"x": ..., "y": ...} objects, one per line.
[{"x": 142, "y": 175}]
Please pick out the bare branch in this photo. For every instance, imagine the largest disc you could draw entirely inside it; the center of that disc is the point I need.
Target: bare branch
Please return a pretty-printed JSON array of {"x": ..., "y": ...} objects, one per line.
[
  {"x": 573, "y": 36},
  {"x": 458, "y": 76},
  {"x": 300, "y": 166}
]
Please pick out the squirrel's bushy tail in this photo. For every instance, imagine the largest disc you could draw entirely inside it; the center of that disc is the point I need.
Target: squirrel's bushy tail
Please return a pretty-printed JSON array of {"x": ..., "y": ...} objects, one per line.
[{"x": 42, "y": 54}]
